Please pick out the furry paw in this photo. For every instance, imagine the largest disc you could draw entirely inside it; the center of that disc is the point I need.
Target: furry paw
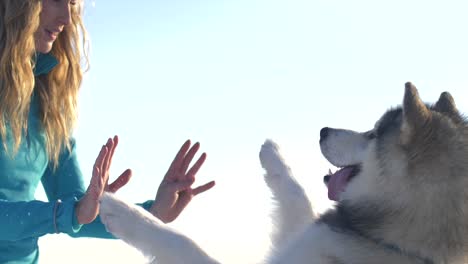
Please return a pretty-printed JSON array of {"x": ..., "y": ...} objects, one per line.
[
  {"x": 278, "y": 174},
  {"x": 119, "y": 217},
  {"x": 272, "y": 161}
]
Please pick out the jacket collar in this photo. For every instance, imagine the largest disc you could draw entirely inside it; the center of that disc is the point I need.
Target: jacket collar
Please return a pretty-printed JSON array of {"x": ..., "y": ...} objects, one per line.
[{"x": 43, "y": 63}]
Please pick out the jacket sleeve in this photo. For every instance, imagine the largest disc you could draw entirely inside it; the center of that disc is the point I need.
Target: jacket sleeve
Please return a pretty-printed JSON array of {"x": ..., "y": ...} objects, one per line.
[
  {"x": 66, "y": 183},
  {"x": 23, "y": 219},
  {"x": 34, "y": 218}
]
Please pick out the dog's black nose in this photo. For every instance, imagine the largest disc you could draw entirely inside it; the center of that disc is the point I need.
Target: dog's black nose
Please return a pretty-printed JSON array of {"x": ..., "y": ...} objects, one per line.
[
  {"x": 324, "y": 133},
  {"x": 326, "y": 179}
]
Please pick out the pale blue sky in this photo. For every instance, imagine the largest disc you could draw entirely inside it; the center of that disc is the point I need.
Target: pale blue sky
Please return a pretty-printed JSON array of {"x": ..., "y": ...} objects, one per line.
[{"x": 231, "y": 74}]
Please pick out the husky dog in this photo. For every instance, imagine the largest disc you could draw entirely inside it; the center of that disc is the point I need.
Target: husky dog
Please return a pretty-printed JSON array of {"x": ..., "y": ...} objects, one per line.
[{"x": 401, "y": 193}]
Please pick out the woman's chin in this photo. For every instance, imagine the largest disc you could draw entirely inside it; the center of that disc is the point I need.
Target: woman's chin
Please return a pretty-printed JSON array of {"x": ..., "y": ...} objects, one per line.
[{"x": 44, "y": 47}]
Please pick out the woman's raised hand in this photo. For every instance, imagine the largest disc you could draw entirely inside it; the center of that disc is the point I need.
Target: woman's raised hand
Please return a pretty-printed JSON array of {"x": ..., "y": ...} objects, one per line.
[{"x": 87, "y": 208}]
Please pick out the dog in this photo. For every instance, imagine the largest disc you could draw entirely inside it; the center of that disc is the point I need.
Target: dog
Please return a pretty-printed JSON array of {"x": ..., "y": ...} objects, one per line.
[{"x": 401, "y": 190}]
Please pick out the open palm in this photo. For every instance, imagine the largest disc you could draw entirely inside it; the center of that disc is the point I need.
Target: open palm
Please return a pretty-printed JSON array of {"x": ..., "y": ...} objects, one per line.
[{"x": 175, "y": 191}]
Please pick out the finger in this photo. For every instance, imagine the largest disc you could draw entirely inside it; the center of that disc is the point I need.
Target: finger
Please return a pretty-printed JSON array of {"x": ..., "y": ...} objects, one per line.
[
  {"x": 110, "y": 148},
  {"x": 115, "y": 142},
  {"x": 191, "y": 173},
  {"x": 94, "y": 186},
  {"x": 121, "y": 181},
  {"x": 203, "y": 188},
  {"x": 101, "y": 158},
  {"x": 188, "y": 158},
  {"x": 171, "y": 173},
  {"x": 106, "y": 163},
  {"x": 113, "y": 145},
  {"x": 96, "y": 176}
]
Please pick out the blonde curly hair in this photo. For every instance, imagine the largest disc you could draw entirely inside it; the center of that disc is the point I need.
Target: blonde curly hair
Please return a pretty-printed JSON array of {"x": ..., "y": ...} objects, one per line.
[{"x": 57, "y": 91}]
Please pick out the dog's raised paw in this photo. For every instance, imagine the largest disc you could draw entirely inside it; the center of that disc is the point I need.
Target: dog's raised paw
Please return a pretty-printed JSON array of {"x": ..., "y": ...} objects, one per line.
[
  {"x": 117, "y": 216},
  {"x": 271, "y": 159}
]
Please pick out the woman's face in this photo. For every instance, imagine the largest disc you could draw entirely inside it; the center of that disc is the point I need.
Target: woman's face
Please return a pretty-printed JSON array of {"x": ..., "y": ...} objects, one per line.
[{"x": 55, "y": 15}]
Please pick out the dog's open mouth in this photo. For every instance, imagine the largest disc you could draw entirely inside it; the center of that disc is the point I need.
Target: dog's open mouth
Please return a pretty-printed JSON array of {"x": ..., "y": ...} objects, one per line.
[{"x": 336, "y": 182}]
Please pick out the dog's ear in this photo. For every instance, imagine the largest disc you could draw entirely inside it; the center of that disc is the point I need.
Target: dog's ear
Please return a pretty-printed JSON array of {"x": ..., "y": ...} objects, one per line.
[
  {"x": 415, "y": 114},
  {"x": 446, "y": 105}
]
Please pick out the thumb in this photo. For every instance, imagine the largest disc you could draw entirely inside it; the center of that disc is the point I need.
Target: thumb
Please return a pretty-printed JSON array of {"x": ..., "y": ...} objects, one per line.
[{"x": 121, "y": 181}]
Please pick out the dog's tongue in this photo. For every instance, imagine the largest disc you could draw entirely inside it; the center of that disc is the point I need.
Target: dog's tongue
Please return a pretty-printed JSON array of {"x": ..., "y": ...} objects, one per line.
[{"x": 337, "y": 183}]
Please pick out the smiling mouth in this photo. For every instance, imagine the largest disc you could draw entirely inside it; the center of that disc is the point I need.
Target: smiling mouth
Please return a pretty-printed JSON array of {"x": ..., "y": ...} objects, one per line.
[
  {"x": 337, "y": 182},
  {"x": 51, "y": 35}
]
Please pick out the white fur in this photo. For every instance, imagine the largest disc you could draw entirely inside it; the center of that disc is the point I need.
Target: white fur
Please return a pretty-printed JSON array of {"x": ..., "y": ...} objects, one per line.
[
  {"x": 145, "y": 232},
  {"x": 167, "y": 246},
  {"x": 296, "y": 239}
]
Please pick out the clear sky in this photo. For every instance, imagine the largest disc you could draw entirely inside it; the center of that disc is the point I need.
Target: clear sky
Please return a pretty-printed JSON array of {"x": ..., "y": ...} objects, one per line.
[{"x": 231, "y": 73}]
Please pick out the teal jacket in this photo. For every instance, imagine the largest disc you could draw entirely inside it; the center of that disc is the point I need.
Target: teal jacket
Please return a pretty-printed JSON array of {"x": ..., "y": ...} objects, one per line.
[{"x": 22, "y": 218}]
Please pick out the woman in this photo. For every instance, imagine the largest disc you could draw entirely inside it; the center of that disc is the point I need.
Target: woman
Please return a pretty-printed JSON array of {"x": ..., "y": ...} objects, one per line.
[{"x": 41, "y": 47}]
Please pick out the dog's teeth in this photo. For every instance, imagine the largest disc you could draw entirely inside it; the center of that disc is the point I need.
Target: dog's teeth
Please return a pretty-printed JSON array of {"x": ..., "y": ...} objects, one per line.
[{"x": 330, "y": 172}]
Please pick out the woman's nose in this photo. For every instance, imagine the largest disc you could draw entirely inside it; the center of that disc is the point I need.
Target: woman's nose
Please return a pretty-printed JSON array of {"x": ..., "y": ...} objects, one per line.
[{"x": 65, "y": 15}]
